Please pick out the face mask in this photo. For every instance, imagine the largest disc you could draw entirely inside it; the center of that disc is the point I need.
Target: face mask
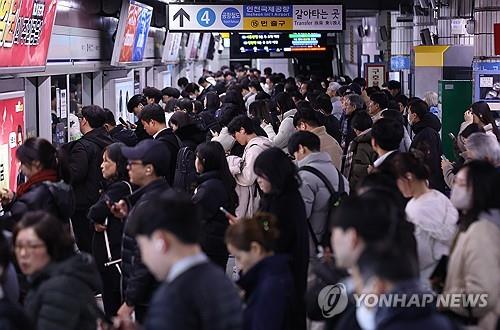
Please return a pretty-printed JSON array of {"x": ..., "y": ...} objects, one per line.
[
  {"x": 460, "y": 198},
  {"x": 366, "y": 317}
]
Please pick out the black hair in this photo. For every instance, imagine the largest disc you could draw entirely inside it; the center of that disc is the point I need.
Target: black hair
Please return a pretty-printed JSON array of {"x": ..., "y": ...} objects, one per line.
[
  {"x": 324, "y": 103},
  {"x": 262, "y": 96},
  {"x": 234, "y": 97},
  {"x": 152, "y": 112},
  {"x": 135, "y": 101},
  {"x": 372, "y": 90},
  {"x": 361, "y": 121},
  {"x": 306, "y": 114},
  {"x": 260, "y": 109},
  {"x": 394, "y": 115},
  {"x": 387, "y": 263},
  {"x": 172, "y": 211},
  {"x": 377, "y": 180},
  {"x": 275, "y": 166},
  {"x": 381, "y": 99},
  {"x": 152, "y": 93},
  {"x": 171, "y": 105},
  {"x": 482, "y": 110},
  {"x": 305, "y": 139},
  {"x": 419, "y": 107},
  {"x": 239, "y": 122},
  {"x": 471, "y": 129},
  {"x": 54, "y": 234},
  {"x": 198, "y": 106},
  {"x": 483, "y": 181},
  {"x": 268, "y": 71},
  {"x": 191, "y": 88},
  {"x": 387, "y": 133},
  {"x": 410, "y": 162},
  {"x": 114, "y": 153},
  {"x": 255, "y": 84},
  {"x": 94, "y": 115},
  {"x": 202, "y": 80},
  {"x": 109, "y": 117},
  {"x": 5, "y": 255},
  {"x": 360, "y": 81},
  {"x": 186, "y": 105},
  {"x": 393, "y": 84},
  {"x": 401, "y": 98},
  {"x": 38, "y": 149},
  {"x": 284, "y": 102},
  {"x": 213, "y": 101},
  {"x": 213, "y": 158},
  {"x": 171, "y": 91},
  {"x": 182, "y": 82}
]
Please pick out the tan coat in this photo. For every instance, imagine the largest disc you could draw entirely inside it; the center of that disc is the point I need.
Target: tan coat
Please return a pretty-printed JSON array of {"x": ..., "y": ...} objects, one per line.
[
  {"x": 329, "y": 145},
  {"x": 474, "y": 267}
]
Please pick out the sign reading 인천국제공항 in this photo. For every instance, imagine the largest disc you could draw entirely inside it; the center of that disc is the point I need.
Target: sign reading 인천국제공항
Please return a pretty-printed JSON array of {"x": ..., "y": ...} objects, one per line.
[
  {"x": 255, "y": 17},
  {"x": 25, "y": 31}
]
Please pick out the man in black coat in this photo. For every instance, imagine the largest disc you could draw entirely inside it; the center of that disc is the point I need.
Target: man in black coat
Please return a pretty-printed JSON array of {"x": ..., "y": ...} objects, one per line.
[
  {"x": 426, "y": 126},
  {"x": 152, "y": 118},
  {"x": 386, "y": 138},
  {"x": 195, "y": 294},
  {"x": 146, "y": 168},
  {"x": 135, "y": 106},
  {"x": 119, "y": 132},
  {"x": 85, "y": 158}
]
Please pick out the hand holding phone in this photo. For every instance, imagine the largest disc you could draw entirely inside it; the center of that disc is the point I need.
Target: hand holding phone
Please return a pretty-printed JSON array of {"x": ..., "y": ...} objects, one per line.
[{"x": 231, "y": 218}]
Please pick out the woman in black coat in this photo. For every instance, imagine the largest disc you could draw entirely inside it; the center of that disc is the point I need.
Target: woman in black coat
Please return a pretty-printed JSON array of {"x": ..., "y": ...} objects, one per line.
[
  {"x": 62, "y": 283},
  {"x": 216, "y": 188},
  {"x": 114, "y": 170},
  {"x": 278, "y": 179},
  {"x": 47, "y": 186}
]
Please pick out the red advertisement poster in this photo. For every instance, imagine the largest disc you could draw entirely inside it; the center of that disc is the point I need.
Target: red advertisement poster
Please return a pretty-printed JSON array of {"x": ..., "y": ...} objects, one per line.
[
  {"x": 130, "y": 31},
  {"x": 497, "y": 38},
  {"x": 11, "y": 137},
  {"x": 25, "y": 30}
]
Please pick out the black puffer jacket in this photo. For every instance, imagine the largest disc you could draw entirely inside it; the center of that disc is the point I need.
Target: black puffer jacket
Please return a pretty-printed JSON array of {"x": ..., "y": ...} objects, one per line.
[
  {"x": 138, "y": 283},
  {"x": 427, "y": 140},
  {"x": 85, "y": 158},
  {"x": 191, "y": 135},
  {"x": 210, "y": 195},
  {"x": 99, "y": 212},
  {"x": 57, "y": 198},
  {"x": 168, "y": 137},
  {"x": 62, "y": 295},
  {"x": 12, "y": 317},
  {"x": 124, "y": 135}
]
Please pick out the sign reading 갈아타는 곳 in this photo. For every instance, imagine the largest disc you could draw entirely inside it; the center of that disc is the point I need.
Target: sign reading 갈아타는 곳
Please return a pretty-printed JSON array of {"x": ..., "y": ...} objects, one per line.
[{"x": 25, "y": 31}]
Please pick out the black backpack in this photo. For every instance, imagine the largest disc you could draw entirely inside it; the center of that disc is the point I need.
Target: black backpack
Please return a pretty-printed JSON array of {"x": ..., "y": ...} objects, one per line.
[
  {"x": 185, "y": 171},
  {"x": 335, "y": 199}
]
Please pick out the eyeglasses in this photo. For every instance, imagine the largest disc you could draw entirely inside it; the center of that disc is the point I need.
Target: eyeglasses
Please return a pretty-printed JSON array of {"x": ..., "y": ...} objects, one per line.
[{"x": 30, "y": 247}]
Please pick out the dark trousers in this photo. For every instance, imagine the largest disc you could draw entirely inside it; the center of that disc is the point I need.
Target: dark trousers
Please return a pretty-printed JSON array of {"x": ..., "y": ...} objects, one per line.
[
  {"x": 82, "y": 230},
  {"x": 111, "y": 295}
]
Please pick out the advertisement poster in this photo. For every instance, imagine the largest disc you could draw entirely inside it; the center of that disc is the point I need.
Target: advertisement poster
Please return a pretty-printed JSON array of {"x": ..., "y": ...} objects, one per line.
[
  {"x": 124, "y": 90},
  {"x": 132, "y": 33},
  {"x": 375, "y": 74},
  {"x": 25, "y": 31},
  {"x": 192, "y": 46},
  {"x": 11, "y": 137},
  {"x": 171, "y": 48}
]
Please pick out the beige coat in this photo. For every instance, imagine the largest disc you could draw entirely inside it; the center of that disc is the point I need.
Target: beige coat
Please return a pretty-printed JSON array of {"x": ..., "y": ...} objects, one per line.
[
  {"x": 329, "y": 145},
  {"x": 474, "y": 267},
  {"x": 246, "y": 179}
]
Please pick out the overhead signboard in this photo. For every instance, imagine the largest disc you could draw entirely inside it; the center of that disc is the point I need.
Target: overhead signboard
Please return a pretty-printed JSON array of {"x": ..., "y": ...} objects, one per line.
[
  {"x": 172, "y": 47},
  {"x": 255, "y": 17},
  {"x": 25, "y": 31},
  {"x": 400, "y": 62}
]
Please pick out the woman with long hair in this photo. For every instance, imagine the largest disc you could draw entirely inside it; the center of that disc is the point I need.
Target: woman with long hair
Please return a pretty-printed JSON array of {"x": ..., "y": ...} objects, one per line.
[
  {"x": 108, "y": 229},
  {"x": 279, "y": 182},
  {"x": 480, "y": 113},
  {"x": 474, "y": 265},
  {"x": 216, "y": 189},
  {"x": 47, "y": 187},
  {"x": 266, "y": 277},
  {"x": 62, "y": 283}
]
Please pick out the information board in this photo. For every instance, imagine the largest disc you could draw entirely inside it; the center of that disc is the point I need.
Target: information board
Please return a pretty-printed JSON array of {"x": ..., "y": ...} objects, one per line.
[{"x": 255, "y": 17}]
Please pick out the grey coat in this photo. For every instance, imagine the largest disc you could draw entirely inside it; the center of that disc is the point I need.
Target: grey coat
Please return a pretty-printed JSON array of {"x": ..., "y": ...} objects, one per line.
[{"x": 315, "y": 194}]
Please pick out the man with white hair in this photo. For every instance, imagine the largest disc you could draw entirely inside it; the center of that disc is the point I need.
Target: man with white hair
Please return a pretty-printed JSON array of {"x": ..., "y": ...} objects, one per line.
[{"x": 331, "y": 91}]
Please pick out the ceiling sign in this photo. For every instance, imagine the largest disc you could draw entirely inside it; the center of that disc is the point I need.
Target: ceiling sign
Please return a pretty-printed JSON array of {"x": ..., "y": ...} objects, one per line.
[{"x": 255, "y": 17}]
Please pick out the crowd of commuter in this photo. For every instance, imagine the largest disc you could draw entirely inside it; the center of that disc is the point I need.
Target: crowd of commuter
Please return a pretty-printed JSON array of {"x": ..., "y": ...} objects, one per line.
[{"x": 232, "y": 202}]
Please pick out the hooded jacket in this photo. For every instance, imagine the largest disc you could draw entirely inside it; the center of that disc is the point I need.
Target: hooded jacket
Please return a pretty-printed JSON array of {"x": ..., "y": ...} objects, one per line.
[
  {"x": 191, "y": 135},
  {"x": 57, "y": 198},
  {"x": 269, "y": 295},
  {"x": 435, "y": 220},
  {"x": 62, "y": 295},
  {"x": 246, "y": 179},
  {"x": 285, "y": 131},
  {"x": 316, "y": 195},
  {"x": 427, "y": 140},
  {"x": 85, "y": 158}
]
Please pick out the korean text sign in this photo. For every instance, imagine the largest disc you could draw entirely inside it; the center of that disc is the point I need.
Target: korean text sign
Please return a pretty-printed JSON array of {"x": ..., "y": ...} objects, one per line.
[{"x": 25, "y": 31}]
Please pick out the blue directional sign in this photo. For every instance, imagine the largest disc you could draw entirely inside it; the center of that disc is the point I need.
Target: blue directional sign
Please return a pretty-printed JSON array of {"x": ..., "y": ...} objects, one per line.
[
  {"x": 206, "y": 17},
  {"x": 231, "y": 17},
  {"x": 399, "y": 63}
]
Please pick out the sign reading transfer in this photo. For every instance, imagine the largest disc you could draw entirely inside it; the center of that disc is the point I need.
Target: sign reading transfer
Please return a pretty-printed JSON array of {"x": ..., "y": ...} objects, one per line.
[{"x": 255, "y": 17}]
